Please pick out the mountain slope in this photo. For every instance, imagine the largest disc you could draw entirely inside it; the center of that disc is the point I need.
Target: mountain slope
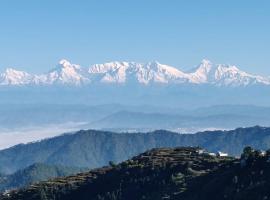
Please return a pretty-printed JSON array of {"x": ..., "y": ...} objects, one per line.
[
  {"x": 179, "y": 173},
  {"x": 35, "y": 173},
  {"x": 126, "y": 120},
  {"x": 66, "y": 73},
  {"x": 225, "y": 75},
  {"x": 96, "y": 148},
  {"x": 121, "y": 72},
  {"x": 15, "y": 77}
]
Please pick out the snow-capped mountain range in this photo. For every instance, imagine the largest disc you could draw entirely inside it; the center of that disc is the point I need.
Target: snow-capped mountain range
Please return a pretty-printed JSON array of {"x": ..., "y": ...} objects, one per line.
[{"x": 66, "y": 73}]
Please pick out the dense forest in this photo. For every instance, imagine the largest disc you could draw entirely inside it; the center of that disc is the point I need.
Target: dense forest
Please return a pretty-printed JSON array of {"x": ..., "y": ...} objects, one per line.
[
  {"x": 92, "y": 149},
  {"x": 35, "y": 173},
  {"x": 165, "y": 173}
]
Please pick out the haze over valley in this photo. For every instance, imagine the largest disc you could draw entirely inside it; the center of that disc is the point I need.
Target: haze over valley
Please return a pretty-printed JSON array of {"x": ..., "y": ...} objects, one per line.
[
  {"x": 129, "y": 97},
  {"x": 31, "y": 122},
  {"x": 134, "y": 100}
]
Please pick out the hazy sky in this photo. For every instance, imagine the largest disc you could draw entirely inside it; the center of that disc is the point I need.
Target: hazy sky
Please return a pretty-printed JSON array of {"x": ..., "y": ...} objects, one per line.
[{"x": 35, "y": 35}]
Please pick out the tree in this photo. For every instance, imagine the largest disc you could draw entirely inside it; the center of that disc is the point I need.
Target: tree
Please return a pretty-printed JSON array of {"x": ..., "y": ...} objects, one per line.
[
  {"x": 267, "y": 153},
  {"x": 247, "y": 152},
  {"x": 112, "y": 164}
]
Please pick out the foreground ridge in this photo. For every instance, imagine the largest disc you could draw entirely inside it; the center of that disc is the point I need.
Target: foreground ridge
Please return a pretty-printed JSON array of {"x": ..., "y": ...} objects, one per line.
[
  {"x": 156, "y": 174},
  {"x": 163, "y": 173}
]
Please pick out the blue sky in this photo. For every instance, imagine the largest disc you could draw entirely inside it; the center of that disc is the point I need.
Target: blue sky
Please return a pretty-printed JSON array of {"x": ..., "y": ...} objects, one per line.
[{"x": 35, "y": 35}]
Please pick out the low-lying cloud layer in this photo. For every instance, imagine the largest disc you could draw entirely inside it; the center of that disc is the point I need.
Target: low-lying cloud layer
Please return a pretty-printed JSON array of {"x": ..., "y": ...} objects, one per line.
[{"x": 12, "y": 137}]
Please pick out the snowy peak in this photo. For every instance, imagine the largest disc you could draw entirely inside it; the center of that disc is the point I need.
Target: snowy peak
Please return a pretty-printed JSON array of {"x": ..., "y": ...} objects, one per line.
[
  {"x": 14, "y": 77},
  {"x": 122, "y": 72},
  {"x": 112, "y": 72},
  {"x": 202, "y": 73},
  {"x": 205, "y": 67},
  {"x": 224, "y": 75},
  {"x": 165, "y": 73},
  {"x": 231, "y": 75},
  {"x": 107, "y": 67},
  {"x": 65, "y": 64},
  {"x": 66, "y": 73}
]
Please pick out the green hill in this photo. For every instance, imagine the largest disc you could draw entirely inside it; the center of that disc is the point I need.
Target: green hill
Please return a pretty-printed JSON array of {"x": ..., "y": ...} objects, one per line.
[
  {"x": 35, "y": 173},
  {"x": 94, "y": 149},
  {"x": 165, "y": 173}
]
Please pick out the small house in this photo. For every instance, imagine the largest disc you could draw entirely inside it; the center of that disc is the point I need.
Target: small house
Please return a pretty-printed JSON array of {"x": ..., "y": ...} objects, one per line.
[{"x": 222, "y": 154}]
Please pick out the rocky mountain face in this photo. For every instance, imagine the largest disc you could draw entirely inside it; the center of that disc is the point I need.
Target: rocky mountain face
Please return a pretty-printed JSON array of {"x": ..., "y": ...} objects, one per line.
[
  {"x": 66, "y": 73},
  {"x": 165, "y": 173}
]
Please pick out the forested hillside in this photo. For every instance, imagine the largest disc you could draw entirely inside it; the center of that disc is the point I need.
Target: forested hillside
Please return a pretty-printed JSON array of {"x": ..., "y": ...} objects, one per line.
[
  {"x": 93, "y": 149},
  {"x": 35, "y": 173},
  {"x": 165, "y": 173}
]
